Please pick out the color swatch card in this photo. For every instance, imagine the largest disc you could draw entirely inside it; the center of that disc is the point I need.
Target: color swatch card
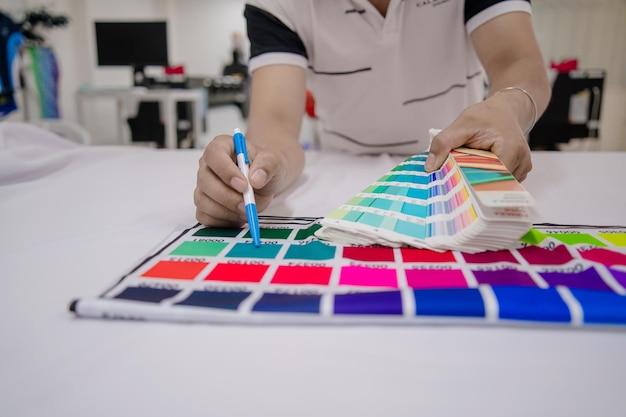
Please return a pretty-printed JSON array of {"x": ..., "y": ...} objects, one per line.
[
  {"x": 570, "y": 276},
  {"x": 472, "y": 203}
]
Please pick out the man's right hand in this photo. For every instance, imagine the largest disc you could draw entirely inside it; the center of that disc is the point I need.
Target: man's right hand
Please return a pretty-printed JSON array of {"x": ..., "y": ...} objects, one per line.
[{"x": 220, "y": 183}]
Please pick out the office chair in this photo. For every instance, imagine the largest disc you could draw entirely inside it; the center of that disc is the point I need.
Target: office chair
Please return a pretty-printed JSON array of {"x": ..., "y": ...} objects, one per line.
[{"x": 146, "y": 125}]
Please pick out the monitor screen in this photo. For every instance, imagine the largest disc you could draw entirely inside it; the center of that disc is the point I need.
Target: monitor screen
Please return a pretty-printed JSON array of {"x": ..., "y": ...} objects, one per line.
[{"x": 134, "y": 44}]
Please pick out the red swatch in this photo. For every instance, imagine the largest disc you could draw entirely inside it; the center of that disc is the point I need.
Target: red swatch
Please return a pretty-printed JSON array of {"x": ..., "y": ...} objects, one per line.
[
  {"x": 317, "y": 275},
  {"x": 369, "y": 254},
  {"x": 489, "y": 257},
  {"x": 535, "y": 255},
  {"x": 426, "y": 255},
  {"x": 237, "y": 273},
  {"x": 175, "y": 270}
]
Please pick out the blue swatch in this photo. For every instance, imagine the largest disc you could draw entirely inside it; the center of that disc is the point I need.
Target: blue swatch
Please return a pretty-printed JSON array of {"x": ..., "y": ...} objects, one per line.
[
  {"x": 146, "y": 294},
  {"x": 226, "y": 300},
  {"x": 288, "y": 303},
  {"x": 601, "y": 307},
  {"x": 531, "y": 304},
  {"x": 388, "y": 302},
  {"x": 455, "y": 302}
]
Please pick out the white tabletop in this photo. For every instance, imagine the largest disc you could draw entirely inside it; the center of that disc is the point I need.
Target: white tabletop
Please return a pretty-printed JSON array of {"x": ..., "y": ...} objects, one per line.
[{"x": 74, "y": 219}]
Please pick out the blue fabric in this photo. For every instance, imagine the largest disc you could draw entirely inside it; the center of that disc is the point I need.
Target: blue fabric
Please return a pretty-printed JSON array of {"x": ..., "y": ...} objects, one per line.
[{"x": 10, "y": 40}]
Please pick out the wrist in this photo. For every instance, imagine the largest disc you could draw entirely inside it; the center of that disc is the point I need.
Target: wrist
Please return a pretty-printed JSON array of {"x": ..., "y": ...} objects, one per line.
[{"x": 531, "y": 104}]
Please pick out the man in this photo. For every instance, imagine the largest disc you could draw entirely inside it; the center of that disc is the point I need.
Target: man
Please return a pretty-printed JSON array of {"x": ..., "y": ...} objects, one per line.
[{"x": 382, "y": 73}]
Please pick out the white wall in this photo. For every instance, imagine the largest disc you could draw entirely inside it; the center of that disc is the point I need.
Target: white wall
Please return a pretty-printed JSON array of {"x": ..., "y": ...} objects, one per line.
[
  {"x": 202, "y": 32},
  {"x": 594, "y": 31}
]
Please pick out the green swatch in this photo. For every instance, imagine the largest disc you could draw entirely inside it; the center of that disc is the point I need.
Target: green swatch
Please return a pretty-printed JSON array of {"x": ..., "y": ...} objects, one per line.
[{"x": 191, "y": 248}]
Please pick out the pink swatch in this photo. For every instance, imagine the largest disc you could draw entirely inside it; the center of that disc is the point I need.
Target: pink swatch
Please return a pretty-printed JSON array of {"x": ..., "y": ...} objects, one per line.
[
  {"x": 436, "y": 278},
  {"x": 604, "y": 256},
  {"x": 368, "y": 277}
]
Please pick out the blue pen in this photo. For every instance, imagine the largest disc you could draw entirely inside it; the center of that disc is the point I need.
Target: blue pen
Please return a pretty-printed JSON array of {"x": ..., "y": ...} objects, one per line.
[{"x": 248, "y": 195}]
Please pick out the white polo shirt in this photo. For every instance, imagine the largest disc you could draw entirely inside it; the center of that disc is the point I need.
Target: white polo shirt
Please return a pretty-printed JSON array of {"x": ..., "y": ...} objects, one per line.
[{"x": 379, "y": 82}]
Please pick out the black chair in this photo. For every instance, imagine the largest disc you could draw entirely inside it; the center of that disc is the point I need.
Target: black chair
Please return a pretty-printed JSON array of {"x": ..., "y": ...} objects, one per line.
[
  {"x": 146, "y": 125},
  {"x": 573, "y": 111}
]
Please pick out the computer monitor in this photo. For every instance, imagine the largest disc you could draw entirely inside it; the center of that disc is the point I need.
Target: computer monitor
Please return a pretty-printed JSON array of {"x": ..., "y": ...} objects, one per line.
[{"x": 132, "y": 43}]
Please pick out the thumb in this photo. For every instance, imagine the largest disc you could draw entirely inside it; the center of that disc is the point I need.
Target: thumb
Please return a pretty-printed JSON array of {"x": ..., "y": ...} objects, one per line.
[
  {"x": 263, "y": 169},
  {"x": 441, "y": 146},
  {"x": 258, "y": 177}
]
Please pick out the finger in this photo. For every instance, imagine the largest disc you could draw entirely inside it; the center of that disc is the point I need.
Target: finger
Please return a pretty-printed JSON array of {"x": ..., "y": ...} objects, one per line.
[
  {"x": 441, "y": 146},
  {"x": 219, "y": 155},
  {"x": 514, "y": 153},
  {"x": 524, "y": 166},
  {"x": 214, "y": 197},
  {"x": 211, "y": 213}
]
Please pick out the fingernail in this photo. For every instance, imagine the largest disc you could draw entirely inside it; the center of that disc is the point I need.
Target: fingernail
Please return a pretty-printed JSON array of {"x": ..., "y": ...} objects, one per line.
[
  {"x": 429, "y": 165},
  {"x": 259, "y": 178},
  {"x": 238, "y": 184}
]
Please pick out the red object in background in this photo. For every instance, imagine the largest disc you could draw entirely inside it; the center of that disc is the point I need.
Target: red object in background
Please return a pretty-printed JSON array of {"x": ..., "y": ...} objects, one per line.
[
  {"x": 309, "y": 105},
  {"x": 565, "y": 66},
  {"x": 176, "y": 70}
]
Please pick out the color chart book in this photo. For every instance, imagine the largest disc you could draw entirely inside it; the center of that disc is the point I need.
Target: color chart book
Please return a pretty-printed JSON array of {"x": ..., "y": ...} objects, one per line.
[
  {"x": 556, "y": 275},
  {"x": 472, "y": 203}
]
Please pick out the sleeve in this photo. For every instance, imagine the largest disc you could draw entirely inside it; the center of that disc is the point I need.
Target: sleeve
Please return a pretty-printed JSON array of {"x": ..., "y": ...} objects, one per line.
[
  {"x": 271, "y": 40},
  {"x": 478, "y": 12}
]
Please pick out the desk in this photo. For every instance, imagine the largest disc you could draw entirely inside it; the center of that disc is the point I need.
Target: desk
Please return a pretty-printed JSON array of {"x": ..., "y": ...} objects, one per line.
[
  {"x": 127, "y": 98},
  {"x": 89, "y": 213}
]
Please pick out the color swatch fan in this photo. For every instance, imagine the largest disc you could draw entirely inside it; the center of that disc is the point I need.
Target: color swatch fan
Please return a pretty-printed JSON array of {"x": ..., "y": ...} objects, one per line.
[{"x": 471, "y": 204}]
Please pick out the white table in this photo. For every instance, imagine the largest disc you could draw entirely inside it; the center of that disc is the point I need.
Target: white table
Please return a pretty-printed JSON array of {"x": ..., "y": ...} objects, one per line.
[
  {"x": 87, "y": 214},
  {"x": 128, "y": 98}
]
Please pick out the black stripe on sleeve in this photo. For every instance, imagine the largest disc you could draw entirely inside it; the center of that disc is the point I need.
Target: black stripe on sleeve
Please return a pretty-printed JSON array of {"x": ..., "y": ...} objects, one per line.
[
  {"x": 268, "y": 34},
  {"x": 473, "y": 7}
]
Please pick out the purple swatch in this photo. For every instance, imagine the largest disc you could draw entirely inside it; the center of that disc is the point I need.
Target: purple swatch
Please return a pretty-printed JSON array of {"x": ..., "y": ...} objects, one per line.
[
  {"x": 508, "y": 276},
  {"x": 589, "y": 279},
  {"x": 620, "y": 276}
]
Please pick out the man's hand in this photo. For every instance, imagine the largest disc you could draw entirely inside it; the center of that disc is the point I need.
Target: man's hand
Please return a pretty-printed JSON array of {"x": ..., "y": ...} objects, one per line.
[
  {"x": 488, "y": 125},
  {"x": 220, "y": 184},
  {"x": 508, "y": 50}
]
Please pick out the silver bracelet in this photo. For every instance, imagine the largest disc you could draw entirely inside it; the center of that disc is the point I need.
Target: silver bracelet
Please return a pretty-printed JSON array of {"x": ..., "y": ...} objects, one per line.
[{"x": 532, "y": 100}]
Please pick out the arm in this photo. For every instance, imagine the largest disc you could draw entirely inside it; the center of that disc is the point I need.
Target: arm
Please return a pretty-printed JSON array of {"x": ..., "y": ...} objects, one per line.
[
  {"x": 508, "y": 50},
  {"x": 276, "y": 110},
  {"x": 277, "y": 159}
]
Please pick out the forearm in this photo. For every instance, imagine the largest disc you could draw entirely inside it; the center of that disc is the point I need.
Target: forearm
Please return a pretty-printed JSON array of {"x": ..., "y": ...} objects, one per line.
[
  {"x": 275, "y": 118},
  {"x": 272, "y": 134},
  {"x": 511, "y": 56},
  {"x": 529, "y": 76}
]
